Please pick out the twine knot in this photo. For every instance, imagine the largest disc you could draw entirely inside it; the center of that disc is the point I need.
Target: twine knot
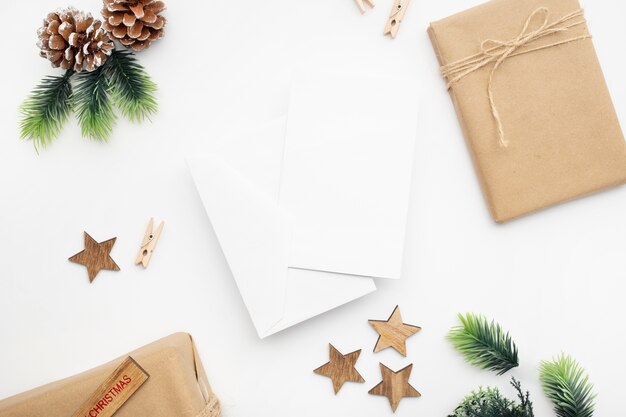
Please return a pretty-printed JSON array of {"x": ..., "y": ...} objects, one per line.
[{"x": 496, "y": 51}]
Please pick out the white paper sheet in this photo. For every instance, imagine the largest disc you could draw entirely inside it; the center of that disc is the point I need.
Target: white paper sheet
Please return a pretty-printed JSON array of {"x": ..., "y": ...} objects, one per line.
[{"x": 347, "y": 172}]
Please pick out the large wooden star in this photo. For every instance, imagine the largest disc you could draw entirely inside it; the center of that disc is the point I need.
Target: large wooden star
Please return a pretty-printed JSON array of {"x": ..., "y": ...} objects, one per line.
[
  {"x": 395, "y": 385},
  {"x": 393, "y": 332},
  {"x": 96, "y": 256},
  {"x": 340, "y": 368}
]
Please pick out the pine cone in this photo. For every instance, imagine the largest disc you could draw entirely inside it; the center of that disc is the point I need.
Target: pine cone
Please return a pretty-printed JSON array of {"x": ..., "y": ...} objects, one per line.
[
  {"x": 73, "y": 39},
  {"x": 135, "y": 23}
]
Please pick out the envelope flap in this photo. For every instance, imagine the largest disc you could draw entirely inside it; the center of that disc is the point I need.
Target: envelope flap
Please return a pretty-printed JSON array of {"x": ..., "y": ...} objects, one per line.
[{"x": 254, "y": 234}]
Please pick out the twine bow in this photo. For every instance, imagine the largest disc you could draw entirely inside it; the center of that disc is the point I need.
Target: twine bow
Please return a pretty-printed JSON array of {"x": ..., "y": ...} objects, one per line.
[{"x": 495, "y": 51}]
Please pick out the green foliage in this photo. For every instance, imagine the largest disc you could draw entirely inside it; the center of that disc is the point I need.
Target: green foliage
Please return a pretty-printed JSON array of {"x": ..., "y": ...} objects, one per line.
[
  {"x": 490, "y": 403},
  {"x": 484, "y": 344},
  {"x": 566, "y": 383},
  {"x": 46, "y": 109},
  {"x": 121, "y": 81},
  {"x": 93, "y": 104},
  {"x": 131, "y": 87}
]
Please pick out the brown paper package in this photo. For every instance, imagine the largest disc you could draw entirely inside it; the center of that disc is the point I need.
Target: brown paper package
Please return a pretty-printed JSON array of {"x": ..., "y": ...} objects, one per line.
[
  {"x": 177, "y": 386},
  {"x": 564, "y": 138}
]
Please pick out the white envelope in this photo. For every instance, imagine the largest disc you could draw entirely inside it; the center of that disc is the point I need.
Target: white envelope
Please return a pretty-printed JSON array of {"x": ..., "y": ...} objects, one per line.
[
  {"x": 239, "y": 187},
  {"x": 307, "y": 209}
]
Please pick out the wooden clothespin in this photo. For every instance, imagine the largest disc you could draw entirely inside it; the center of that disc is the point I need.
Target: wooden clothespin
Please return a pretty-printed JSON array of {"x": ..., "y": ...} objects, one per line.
[
  {"x": 361, "y": 5},
  {"x": 149, "y": 243},
  {"x": 396, "y": 16}
]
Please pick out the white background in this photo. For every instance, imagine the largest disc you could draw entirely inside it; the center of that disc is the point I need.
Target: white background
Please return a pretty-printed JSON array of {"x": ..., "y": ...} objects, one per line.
[{"x": 554, "y": 279}]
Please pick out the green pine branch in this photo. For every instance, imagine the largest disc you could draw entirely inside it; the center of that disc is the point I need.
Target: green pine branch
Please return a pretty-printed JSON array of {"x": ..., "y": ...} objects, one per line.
[
  {"x": 484, "y": 344},
  {"x": 93, "y": 104},
  {"x": 121, "y": 81},
  {"x": 46, "y": 109},
  {"x": 566, "y": 383},
  {"x": 131, "y": 86}
]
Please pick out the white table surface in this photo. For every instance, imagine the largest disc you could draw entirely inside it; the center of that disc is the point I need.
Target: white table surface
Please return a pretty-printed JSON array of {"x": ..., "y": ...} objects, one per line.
[{"x": 555, "y": 279}]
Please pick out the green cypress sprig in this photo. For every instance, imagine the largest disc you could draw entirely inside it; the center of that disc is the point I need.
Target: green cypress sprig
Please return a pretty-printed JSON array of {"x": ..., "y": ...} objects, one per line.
[
  {"x": 93, "y": 104},
  {"x": 567, "y": 385},
  {"x": 484, "y": 344},
  {"x": 489, "y": 402},
  {"x": 131, "y": 86},
  {"x": 46, "y": 109}
]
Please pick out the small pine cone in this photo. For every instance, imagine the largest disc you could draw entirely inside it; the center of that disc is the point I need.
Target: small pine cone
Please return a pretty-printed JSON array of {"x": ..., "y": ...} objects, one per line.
[
  {"x": 135, "y": 23},
  {"x": 73, "y": 39}
]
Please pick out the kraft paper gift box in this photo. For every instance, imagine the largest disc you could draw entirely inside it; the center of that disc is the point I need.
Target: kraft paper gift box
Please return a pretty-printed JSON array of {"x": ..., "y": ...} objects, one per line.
[
  {"x": 549, "y": 132},
  {"x": 177, "y": 386}
]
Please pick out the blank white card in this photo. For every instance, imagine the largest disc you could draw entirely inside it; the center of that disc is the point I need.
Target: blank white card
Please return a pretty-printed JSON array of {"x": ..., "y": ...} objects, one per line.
[{"x": 347, "y": 172}]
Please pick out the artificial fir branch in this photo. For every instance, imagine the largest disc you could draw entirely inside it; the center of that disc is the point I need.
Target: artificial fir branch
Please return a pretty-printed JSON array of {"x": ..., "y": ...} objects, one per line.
[
  {"x": 484, "y": 344},
  {"x": 131, "y": 86},
  {"x": 121, "y": 81},
  {"x": 565, "y": 382},
  {"x": 93, "y": 104},
  {"x": 46, "y": 109}
]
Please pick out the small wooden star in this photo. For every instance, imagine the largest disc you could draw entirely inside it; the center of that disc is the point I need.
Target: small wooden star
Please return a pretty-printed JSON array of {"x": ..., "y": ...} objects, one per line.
[
  {"x": 96, "y": 256},
  {"x": 395, "y": 385},
  {"x": 340, "y": 368},
  {"x": 393, "y": 332}
]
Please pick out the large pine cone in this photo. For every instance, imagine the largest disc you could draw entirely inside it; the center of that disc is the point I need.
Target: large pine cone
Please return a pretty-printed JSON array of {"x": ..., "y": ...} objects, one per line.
[
  {"x": 73, "y": 39},
  {"x": 135, "y": 23}
]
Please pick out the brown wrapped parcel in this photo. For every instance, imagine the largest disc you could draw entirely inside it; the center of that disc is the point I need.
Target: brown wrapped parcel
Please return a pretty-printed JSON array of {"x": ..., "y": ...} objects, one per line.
[
  {"x": 177, "y": 386},
  {"x": 532, "y": 102}
]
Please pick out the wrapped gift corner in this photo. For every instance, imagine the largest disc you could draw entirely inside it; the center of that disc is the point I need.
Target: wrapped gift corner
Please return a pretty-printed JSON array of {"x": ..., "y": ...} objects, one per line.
[{"x": 178, "y": 386}]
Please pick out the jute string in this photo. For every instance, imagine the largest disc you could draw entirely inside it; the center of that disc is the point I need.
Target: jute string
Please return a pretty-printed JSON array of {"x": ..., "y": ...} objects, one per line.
[
  {"x": 212, "y": 409},
  {"x": 495, "y": 51}
]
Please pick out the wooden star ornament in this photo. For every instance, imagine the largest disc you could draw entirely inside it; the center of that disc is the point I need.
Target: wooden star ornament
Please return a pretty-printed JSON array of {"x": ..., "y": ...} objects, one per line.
[
  {"x": 395, "y": 385},
  {"x": 393, "y": 332},
  {"x": 96, "y": 256},
  {"x": 340, "y": 369}
]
